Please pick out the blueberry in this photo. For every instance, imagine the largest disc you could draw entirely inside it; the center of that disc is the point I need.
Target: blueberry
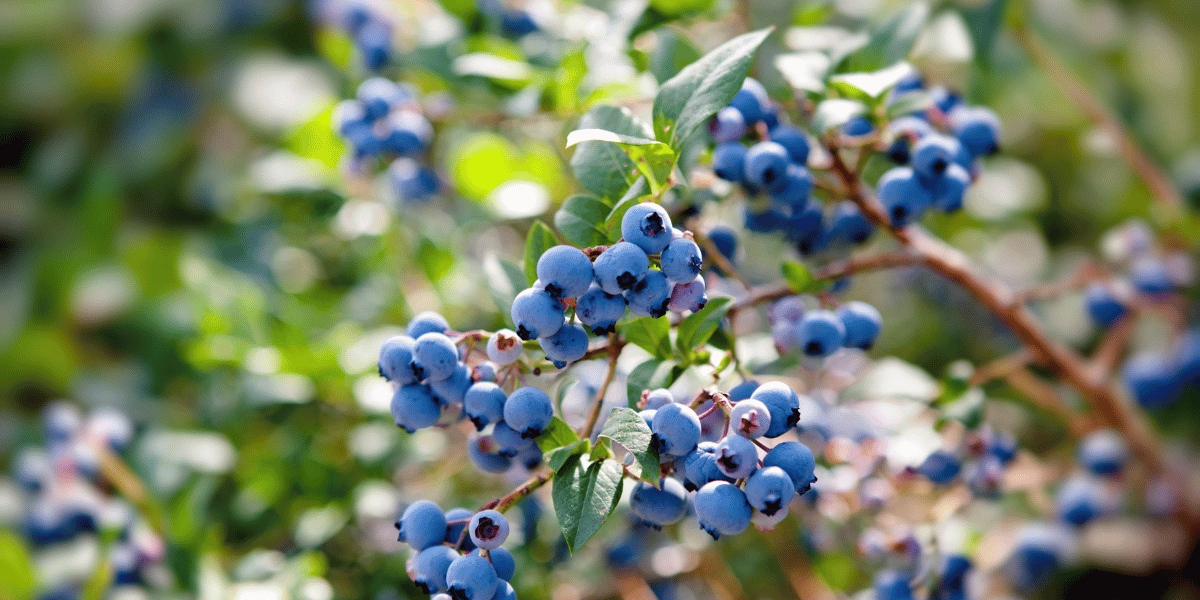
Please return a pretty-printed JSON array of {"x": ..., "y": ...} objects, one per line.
[
  {"x": 768, "y": 522},
  {"x": 748, "y": 104},
  {"x": 502, "y": 562},
  {"x": 568, "y": 344},
  {"x": 722, "y": 508},
  {"x": 688, "y": 296},
  {"x": 60, "y": 421},
  {"x": 725, "y": 239},
  {"x": 374, "y": 42},
  {"x": 743, "y": 390},
  {"x": 1081, "y": 500},
  {"x": 408, "y": 133},
  {"x": 797, "y": 186},
  {"x": 504, "y": 590},
  {"x": 977, "y": 128},
  {"x": 664, "y": 505},
  {"x": 783, "y": 333},
  {"x": 766, "y": 166},
  {"x": 32, "y": 469},
  {"x": 355, "y": 16},
  {"x": 862, "y": 322},
  {"x": 429, "y": 568},
  {"x": 1103, "y": 305},
  {"x": 858, "y": 126},
  {"x": 348, "y": 114},
  {"x": 932, "y": 155},
  {"x": 414, "y": 182},
  {"x": 765, "y": 221},
  {"x": 452, "y": 390},
  {"x": 737, "y": 457},
  {"x": 530, "y": 457},
  {"x": 488, "y": 529},
  {"x": 949, "y": 190},
  {"x": 1150, "y": 277},
  {"x": 600, "y": 310},
  {"x": 1187, "y": 356},
  {"x": 456, "y": 522},
  {"x": 985, "y": 477},
  {"x": 1103, "y": 452},
  {"x": 940, "y": 467},
  {"x": 426, "y": 322},
  {"x": 422, "y": 525},
  {"x": 659, "y": 398},
  {"x": 1002, "y": 446},
  {"x": 434, "y": 356},
  {"x": 379, "y": 96},
  {"x": 953, "y": 575},
  {"x": 750, "y": 418},
  {"x": 796, "y": 460},
  {"x": 485, "y": 454},
  {"x": 893, "y": 584},
  {"x": 529, "y": 411},
  {"x": 484, "y": 371},
  {"x": 944, "y": 99},
  {"x": 536, "y": 314},
  {"x": 483, "y": 404},
  {"x": 903, "y": 196},
  {"x": 650, "y": 295},
  {"x": 471, "y": 577},
  {"x": 509, "y": 441},
  {"x": 504, "y": 348},
  {"x": 820, "y": 333},
  {"x": 849, "y": 224},
  {"x": 903, "y": 132},
  {"x": 727, "y": 125},
  {"x": 769, "y": 490},
  {"x": 1152, "y": 379},
  {"x": 812, "y": 239},
  {"x": 414, "y": 407},
  {"x": 1039, "y": 552},
  {"x": 517, "y": 23},
  {"x": 700, "y": 466},
  {"x": 805, "y": 222},
  {"x": 676, "y": 430},
  {"x": 729, "y": 161},
  {"x": 620, "y": 266},
  {"x": 681, "y": 260},
  {"x": 647, "y": 226},
  {"x": 565, "y": 270},
  {"x": 794, "y": 140}
]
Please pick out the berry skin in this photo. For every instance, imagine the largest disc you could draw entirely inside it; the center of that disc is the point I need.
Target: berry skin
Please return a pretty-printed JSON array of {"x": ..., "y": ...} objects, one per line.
[
  {"x": 700, "y": 467},
  {"x": 434, "y": 356},
  {"x": 903, "y": 196},
  {"x": 977, "y": 129},
  {"x": 783, "y": 333},
  {"x": 749, "y": 104},
  {"x": 688, "y": 296},
  {"x": 530, "y": 457},
  {"x": 1002, "y": 446},
  {"x": 509, "y": 442},
  {"x": 566, "y": 271},
  {"x": 794, "y": 141},
  {"x": 484, "y": 371},
  {"x": 414, "y": 407},
  {"x": 1152, "y": 379},
  {"x": 770, "y": 490},
  {"x": 737, "y": 457},
  {"x": 666, "y": 505},
  {"x": 796, "y": 187},
  {"x": 484, "y": 404},
  {"x": 528, "y": 410},
  {"x": 904, "y": 131},
  {"x": 862, "y": 322},
  {"x": 681, "y": 261},
  {"x": 1081, "y": 500},
  {"x": 504, "y": 348},
  {"x": 395, "y": 359},
  {"x": 892, "y": 584},
  {"x": 723, "y": 509},
  {"x": 941, "y": 467},
  {"x": 949, "y": 190},
  {"x": 647, "y": 226},
  {"x": 454, "y": 530},
  {"x": 820, "y": 333},
  {"x": 568, "y": 344},
  {"x": 1039, "y": 552},
  {"x": 1150, "y": 277},
  {"x": 953, "y": 576},
  {"x": 767, "y": 523},
  {"x": 429, "y": 568},
  {"x": 647, "y": 415},
  {"x": 488, "y": 529},
  {"x": 425, "y": 322},
  {"x": 858, "y": 126},
  {"x": 743, "y": 390},
  {"x": 378, "y": 97},
  {"x": 676, "y": 430},
  {"x": 408, "y": 133},
  {"x": 849, "y": 224},
  {"x": 348, "y": 114},
  {"x": 1103, "y": 305},
  {"x": 600, "y": 310},
  {"x": 750, "y": 419},
  {"x": 659, "y": 398},
  {"x": 727, "y": 125},
  {"x": 536, "y": 314},
  {"x": 504, "y": 590},
  {"x": 766, "y": 221},
  {"x": 729, "y": 161},
  {"x": 471, "y": 577},
  {"x": 766, "y": 166},
  {"x": 620, "y": 266},
  {"x": 796, "y": 460},
  {"x": 932, "y": 155},
  {"x": 422, "y": 525},
  {"x": 502, "y": 561},
  {"x": 452, "y": 390},
  {"x": 485, "y": 455},
  {"x": 413, "y": 181},
  {"x": 725, "y": 239},
  {"x": 650, "y": 295}
]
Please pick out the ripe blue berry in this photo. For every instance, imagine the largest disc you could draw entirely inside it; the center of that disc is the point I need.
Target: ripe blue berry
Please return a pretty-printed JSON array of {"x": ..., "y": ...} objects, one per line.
[
  {"x": 452, "y": 390},
  {"x": 509, "y": 441},
  {"x": 456, "y": 522},
  {"x": 750, "y": 418},
  {"x": 374, "y": 41},
  {"x": 769, "y": 490},
  {"x": 858, "y": 126},
  {"x": 484, "y": 371},
  {"x": 725, "y": 239},
  {"x": 620, "y": 266},
  {"x": 434, "y": 356},
  {"x": 471, "y": 577},
  {"x": 945, "y": 99},
  {"x": 1150, "y": 277},
  {"x": 426, "y": 322},
  {"x": 949, "y": 190},
  {"x": 953, "y": 575},
  {"x": 504, "y": 348},
  {"x": 650, "y": 295},
  {"x": 743, "y": 390},
  {"x": 1081, "y": 500},
  {"x": 346, "y": 115},
  {"x": 659, "y": 398},
  {"x": 794, "y": 141},
  {"x": 485, "y": 454},
  {"x": 749, "y": 104},
  {"x": 530, "y": 457},
  {"x": 529, "y": 411},
  {"x": 1152, "y": 379},
  {"x": 940, "y": 467},
  {"x": 1039, "y": 552},
  {"x": 700, "y": 466},
  {"x": 796, "y": 187},
  {"x": 422, "y": 525},
  {"x": 977, "y": 128},
  {"x": 765, "y": 221},
  {"x": 904, "y": 131},
  {"x": 408, "y": 133},
  {"x": 647, "y": 226},
  {"x": 414, "y": 407},
  {"x": 796, "y": 460},
  {"x": 862, "y": 322},
  {"x": 892, "y": 584},
  {"x": 600, "y": 310},
  {"x": 722, "y": 508},
  {"x": 727, "y": 125},
  {"x": 517, "y": 23},
  {"x": 681, "y": 260},
  {"x": 565, "y": 270},
  {"x": 766, "y": 166},
  {"x": 488, "y": 529},
  {"x": 413, "y": 181},
  {"x": 568, "y": 344},
  {"x": 688, "y": 296},
  {"x": 1003, "y": 446},
  {"x": 903, "y": 196},
  {"x": 536, "y": 314},
  {"x": 502, "y": 562},
  {"x": 676, "y": 430},
  {"x": 429, "y": 568},
  {"x": 395, "y": 359},
  {"x": 484, "y": 404},
  {"x": 379, "y": 96},
  {"x": 1103, "y": 305},
  {"x": 820, "y": 333},
  {"x": 932, "y": 155},
  {"x": 1187, "y": 356},
  {"x": 665, "y": 505},
  {"x": 849, "y": 224},
  {"x": 985, "y": 478},
  {"x": 729, "y": 161},
  {"x": 737, "y": 457}
]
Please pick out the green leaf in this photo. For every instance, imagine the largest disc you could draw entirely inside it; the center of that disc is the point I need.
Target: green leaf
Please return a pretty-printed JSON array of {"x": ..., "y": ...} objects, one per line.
[
  {"x": 966, "y": 409},
  {"x": 581, "y": 221},
  {"x": 504, "y": 281},
  {"x": 650, "y": 334},
  {"x": 892, "y": 39},
  {"x": 871, "y": 87},
  {"x": 984, "y": 22},
  {"x": 695, "y": 330},
  {"x": 584, "y": 497},
  {"x": 435, "y": 260},
  {"x": 638, "y": 192},
  {"x": 799, "y": 279},
  {"x": 557, "y": 435},
  {"x": 16, "y": 568},
  {"x": 653, "y": 159},
  {"x": 602, "y": 168},
  {"x": 315, "y": 139},
  {"x": 804, "y": 71},
  {"x": 672, "y": 52},
  {"x": 835, "y": 112},
  {"x": 558, "y": 457},
  {"x": 539, "y": 240},
  {"x": 625, "y": 427},
  {"x": 702, "y": 88},
  {"x": 650, "y": 375},
  {"x": 908, "y": 103}
]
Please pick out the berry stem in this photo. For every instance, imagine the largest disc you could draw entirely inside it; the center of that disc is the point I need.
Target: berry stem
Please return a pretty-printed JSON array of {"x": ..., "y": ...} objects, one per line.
[
  {"x": 712, "y": 253},
  {"x": 836, "y": 270},
  {"x": 594, "y": 414}
]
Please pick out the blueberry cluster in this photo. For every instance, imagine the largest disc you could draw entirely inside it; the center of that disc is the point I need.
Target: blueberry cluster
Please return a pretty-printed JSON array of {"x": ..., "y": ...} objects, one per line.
[
  {"x": 987, "y": 455},
  {"x": 515, "y": 420},
  {"x": 620, "y": 277},
  {"x": 371, "y": 32},
  {"x": 819, "y": 332},
  {"x": 384, "y": 122},
  {"x": 67, "y": 497},
  {"x": 734, "y": 486},
  {"x": 437, "y": 565}
]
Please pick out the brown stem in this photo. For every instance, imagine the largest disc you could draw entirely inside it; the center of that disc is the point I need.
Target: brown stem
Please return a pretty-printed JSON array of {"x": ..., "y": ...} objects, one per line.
[
  {"x": 594, "y": 415},
  {"x": 711, "y": 253},
  {"x": 1001, "y": 367},
  {"x": 1044, "y": 396},
  {"x": 508, "y": 501},
  {"x": 1086, "y": 274},
  {"x": 1112, "y": 346}
]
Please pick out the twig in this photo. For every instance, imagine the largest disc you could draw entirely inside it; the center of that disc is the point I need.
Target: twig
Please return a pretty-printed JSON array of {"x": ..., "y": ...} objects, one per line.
[
  {"x": 1104, "y": 360},
  {"x": 1086, "y": 274},
  {"x": 1044, "y": 396},
  {"x": 594, "y": 415},
  {"x": 508, "y": 501},
  {"x": 726, "y": 267},
  {"x": 1001, "y": 367}
]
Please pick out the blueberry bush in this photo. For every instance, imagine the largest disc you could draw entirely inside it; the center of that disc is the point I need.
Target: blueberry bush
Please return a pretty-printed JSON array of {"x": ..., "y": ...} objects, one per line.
[{"x": 485, "y": 300}]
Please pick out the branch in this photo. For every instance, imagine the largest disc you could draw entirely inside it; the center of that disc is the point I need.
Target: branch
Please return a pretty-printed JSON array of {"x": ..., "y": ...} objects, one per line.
[
  {"x": 837, "y": 270},
  {"x": 508, "y": 501},
  {"x": 1044, "y": 396},
  {"x": 1104, "y": 360},
  {"x": 724, "y": 264},
  {"x": 1001, "y": 367},
  {"x": 1087, "y": 273},
  {"x": 594, "y": 415}
]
